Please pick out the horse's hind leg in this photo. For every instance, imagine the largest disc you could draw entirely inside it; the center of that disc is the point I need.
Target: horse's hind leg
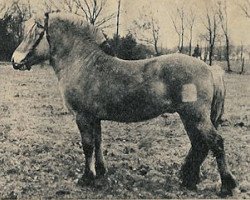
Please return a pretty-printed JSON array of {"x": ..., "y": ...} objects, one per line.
[
  {"x": 86, "y": 127},
  {"x": 205, "y": 135},
  {"x": 216, "y": 144},
  {"x": 190, "y": 171},
  {"x": 99, "y": 159}
]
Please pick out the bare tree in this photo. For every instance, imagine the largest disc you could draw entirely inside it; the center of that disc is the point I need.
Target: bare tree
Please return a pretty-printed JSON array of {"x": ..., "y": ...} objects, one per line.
[
  {"x": 190, "y": 23},
  {"x": 211, "y": 25},
  {"x": 19, "y": 11},
  {"x": 146, "y": 29},
  {"x": 92, "y": 10},
  {"x": 50, "y": 5},
  {"x": 242, "y": 59},
  {"x": 70, "y": 6},
  {"x": 220, "y": 48},
  {"x": 245, "y": 7},
  {"x": 117, "y": 27},
  {"x": 204, "y": 47},
  {"x": 222, "y": 12},
  {"x": 178, "y": 22}
]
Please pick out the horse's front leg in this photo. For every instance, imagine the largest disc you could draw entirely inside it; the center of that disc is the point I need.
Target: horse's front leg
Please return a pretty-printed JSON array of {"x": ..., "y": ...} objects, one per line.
[
  {"x": 86, "y": 127},
  {"x": 99, "y": 159}
]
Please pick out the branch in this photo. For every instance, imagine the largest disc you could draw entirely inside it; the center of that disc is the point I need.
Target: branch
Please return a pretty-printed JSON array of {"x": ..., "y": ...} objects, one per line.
[
  {"x": 52, "y": 4},
  {"x": 175, "y": 26},
  {"x": 80, "y": 6},
  {"x": 245, "y": 8},
  {"x": 105, "y": 19},
  {"x": 3, "y": 6},
  {"x": 97, "y": 13},
  {"x": 191, "y": 19},
  {"x": 89, "y": 10}
]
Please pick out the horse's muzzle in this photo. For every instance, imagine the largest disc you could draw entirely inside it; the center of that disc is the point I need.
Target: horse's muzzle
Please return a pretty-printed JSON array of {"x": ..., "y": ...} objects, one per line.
[
  {"x": 19, "y": 66},
  {"x": 16, "y": 65}
]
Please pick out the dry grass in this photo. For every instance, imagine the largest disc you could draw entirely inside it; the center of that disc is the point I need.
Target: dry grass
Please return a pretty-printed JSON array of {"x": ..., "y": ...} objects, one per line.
[{"x": 41, "y": 156}]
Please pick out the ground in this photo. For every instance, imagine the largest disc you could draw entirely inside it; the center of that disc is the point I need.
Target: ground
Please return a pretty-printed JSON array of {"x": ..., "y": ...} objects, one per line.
[{"x": 41, "y": 155}]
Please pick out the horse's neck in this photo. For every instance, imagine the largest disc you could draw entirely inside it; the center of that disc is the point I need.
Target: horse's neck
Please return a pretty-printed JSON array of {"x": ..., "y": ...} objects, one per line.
[{"x": 69, "y": 53}]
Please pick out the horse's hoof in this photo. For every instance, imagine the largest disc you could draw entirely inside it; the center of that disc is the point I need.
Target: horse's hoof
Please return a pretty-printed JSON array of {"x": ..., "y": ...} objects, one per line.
[
  {"x": 225, "y": 192},
  {"x": 189, "y": 177},
  {"x": 228, "y": 184},
  {"x": 88, "y": 179}
]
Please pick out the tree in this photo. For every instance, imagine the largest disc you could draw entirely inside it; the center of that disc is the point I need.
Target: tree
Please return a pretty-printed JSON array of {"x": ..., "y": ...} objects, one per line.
[
  {"x": 242, "y": 59},
  {"x": 178, "y": 22},
  {"x": 190, "y": 23},
  {"x": 222, "y": 12},
  {"x": 245, "y": 7},
  {"x": 92, "y": 11},
  {"x": 211, "y": 25},
  {"x": 146, "y": 29},
  {"x": 204, "y": 47},
  {"x": 128, "y": 48},
  {"x": 117, "y": 26},
  {"x": 11, "y": 26}
]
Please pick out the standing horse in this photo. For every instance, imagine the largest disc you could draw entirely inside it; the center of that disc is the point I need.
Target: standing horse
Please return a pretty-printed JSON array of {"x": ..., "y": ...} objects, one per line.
[{"x": 98, "y": 87}]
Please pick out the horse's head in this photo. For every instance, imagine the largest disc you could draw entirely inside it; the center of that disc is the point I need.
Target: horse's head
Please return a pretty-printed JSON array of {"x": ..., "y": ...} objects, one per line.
[{"x": 35, "y": 46}]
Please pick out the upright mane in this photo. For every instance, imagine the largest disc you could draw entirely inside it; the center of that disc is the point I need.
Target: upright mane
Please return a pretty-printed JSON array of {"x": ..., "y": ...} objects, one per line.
[{"x": 77, "y": 21}]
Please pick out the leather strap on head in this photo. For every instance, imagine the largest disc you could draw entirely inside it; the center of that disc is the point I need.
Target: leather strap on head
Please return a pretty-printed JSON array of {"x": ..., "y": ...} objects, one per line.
[
  {"x": 46, "y": 21},
  {"x": 46, "y": 27}
]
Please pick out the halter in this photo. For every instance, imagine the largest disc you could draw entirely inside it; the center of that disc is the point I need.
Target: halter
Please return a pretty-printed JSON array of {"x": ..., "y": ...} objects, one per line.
[{"x": 45, "y": 30}]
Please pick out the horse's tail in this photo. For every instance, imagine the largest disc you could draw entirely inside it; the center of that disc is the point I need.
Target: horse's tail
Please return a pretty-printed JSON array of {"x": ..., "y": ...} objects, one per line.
[{"x": 217, "y": 107}]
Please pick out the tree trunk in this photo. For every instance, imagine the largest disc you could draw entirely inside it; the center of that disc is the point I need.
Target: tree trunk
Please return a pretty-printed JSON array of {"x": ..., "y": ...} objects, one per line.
[
  {"x": 190, "y": 49},
  {"x": 190, "y": 43},
  {"x": 117, "y": 28},
  {"x": 242, "y": 66},
  {"x": 211, "y": 52},
  {"x": 242, "y": 59},
  {"x": 156, "y": 48},
  {"x": 182, "y": 41},
  {"x": 205, "y": 54},
  {"x": 227, "y": 54}
]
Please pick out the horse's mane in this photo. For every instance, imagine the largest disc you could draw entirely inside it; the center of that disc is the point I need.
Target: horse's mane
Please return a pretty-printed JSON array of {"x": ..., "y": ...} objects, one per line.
[
  {"x": 77, "y": 21},
  {"x": 70, "y": 18}
]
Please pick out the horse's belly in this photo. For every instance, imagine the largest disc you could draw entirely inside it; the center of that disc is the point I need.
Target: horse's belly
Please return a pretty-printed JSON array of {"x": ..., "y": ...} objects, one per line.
[
  {"x": 135, "y": 111},
  {"x": 121, "y": 104}
]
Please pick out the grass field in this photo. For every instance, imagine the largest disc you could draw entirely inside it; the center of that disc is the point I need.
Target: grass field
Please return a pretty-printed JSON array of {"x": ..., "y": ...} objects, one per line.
[{"x": 41, "y": 155}]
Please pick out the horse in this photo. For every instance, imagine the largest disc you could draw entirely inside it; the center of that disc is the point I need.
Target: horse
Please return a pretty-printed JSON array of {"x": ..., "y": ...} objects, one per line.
[{"x": 96, "y": 86}]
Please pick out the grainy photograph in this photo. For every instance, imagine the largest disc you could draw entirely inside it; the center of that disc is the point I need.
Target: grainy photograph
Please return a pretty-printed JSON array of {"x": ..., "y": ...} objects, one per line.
[{"x": 124, "y": 99}]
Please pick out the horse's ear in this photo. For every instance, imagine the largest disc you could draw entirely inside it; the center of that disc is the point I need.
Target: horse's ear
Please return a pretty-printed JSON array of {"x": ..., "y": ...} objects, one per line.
[{"x": 46, "y": 17}]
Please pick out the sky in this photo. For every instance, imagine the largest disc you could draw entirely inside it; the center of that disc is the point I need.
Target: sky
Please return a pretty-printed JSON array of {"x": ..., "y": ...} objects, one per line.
[{"x": 239, "y": 25}]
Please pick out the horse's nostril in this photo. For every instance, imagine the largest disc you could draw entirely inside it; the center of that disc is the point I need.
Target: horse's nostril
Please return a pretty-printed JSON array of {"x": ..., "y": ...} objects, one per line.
[{"x": 15, "y": 65}]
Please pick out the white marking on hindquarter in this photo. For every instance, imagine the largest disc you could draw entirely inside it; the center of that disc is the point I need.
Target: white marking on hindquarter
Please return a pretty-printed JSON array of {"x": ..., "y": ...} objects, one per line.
[
  {"x": 18, "y": 57},
  {"x": 189, "y": 93}
]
